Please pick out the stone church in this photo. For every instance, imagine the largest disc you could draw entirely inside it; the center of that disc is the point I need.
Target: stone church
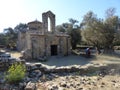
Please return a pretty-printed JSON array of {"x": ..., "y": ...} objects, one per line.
[{"x": 37, "y": 41}]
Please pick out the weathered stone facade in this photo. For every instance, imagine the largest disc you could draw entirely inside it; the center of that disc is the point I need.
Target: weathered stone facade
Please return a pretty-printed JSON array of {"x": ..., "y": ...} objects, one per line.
[{"x": 38, "y": 41}]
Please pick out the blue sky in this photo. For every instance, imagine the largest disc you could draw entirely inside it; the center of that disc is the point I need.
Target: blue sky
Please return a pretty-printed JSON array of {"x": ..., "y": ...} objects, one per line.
[{"x": 14, "y": 12}]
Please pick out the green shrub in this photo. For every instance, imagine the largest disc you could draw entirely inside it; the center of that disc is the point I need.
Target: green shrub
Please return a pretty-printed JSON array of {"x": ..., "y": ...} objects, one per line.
[{"x": 15, "y": 73}]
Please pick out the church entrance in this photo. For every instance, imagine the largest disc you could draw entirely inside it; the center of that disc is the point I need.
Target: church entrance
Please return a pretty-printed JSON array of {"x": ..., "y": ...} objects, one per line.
[{"x": 53, "y": 50}]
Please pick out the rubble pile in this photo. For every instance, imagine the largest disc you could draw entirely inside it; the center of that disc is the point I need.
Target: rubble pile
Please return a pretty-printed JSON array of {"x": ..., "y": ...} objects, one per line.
[{"x": 73, "y": 77}]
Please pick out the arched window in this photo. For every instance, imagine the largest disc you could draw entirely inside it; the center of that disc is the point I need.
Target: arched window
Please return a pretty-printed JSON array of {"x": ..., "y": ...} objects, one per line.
[
  {"x": 49, "y": 27},
  {"x": 48, "y": 21}
]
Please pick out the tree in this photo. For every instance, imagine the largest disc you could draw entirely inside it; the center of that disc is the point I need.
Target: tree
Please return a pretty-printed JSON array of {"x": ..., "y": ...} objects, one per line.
[
  {"x": 99, "y": 32},
  {"x": 110, "y": 24},
  {"x": 117, "y": 34},
  {"x": 60, "y": 28},
  {"x": 11, "y": 37},
  {"x": 3, "y": 39},
  {"x": 75, "y": 37},
  {"x": 117, "y": 38},
  {"x": 20, "y": 27},
  {"x": 91, "y": 27},
  {"x": 110, "y": 12},
  {"x": 73, "y": 30}
]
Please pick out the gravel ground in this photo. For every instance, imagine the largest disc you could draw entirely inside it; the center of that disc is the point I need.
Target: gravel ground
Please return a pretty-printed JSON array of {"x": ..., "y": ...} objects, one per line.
[{"x": 83, "y": 83}]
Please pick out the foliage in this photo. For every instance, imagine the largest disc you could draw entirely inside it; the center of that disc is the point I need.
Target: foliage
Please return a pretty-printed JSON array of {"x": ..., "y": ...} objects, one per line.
[
  {"x": 21, "y": 27},
  {"x": 110, "y": 12},
  {"x": 73, "y": 30},
  {"x": 9, "y": 37},
  {"x": 91, "y": 29},
  {"x": 60, "y": 28},
  {"x": 75, "y": 37},
  {"x": 3, "y": 39},
  {"x": 16, "y": 73},
  {"x": 117, "y": 38},
  {"x": 99, "y": 32}
]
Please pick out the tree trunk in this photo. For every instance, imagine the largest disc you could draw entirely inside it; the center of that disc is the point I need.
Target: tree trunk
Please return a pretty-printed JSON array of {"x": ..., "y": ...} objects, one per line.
[
  {"x": 98, "y": 50},
  {"x": 74, "y": 46}
]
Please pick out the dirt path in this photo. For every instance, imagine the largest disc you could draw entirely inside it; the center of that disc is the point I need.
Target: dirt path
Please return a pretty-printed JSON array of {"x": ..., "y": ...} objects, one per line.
[
  {"x": 15, "y": 54},
  {"x": 75, "y": 60},
  {"x": 59, "y": 61}
]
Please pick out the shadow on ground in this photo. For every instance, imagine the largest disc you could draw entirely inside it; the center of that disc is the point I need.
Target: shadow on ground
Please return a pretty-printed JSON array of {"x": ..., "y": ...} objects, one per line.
[{"x": 59, "y": 61}]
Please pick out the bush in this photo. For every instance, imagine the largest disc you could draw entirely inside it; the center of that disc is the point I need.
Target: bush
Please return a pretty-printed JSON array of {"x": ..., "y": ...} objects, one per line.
[{"x": 15, "y": 73}]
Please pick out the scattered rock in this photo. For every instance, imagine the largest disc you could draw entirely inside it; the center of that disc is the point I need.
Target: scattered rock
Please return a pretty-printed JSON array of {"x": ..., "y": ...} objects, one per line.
[
  {"x": 70, "y": 78},
  {"x": 103, "y": 83},
  {"x": 80, "y": 89},
  {"x": 2, "y": 81},
  {"x": 63, "y": 84},
  {"x": 30, "y": 86},
  {"x": 21, "y": 86},
  {"x": 113, "y": 81}
]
